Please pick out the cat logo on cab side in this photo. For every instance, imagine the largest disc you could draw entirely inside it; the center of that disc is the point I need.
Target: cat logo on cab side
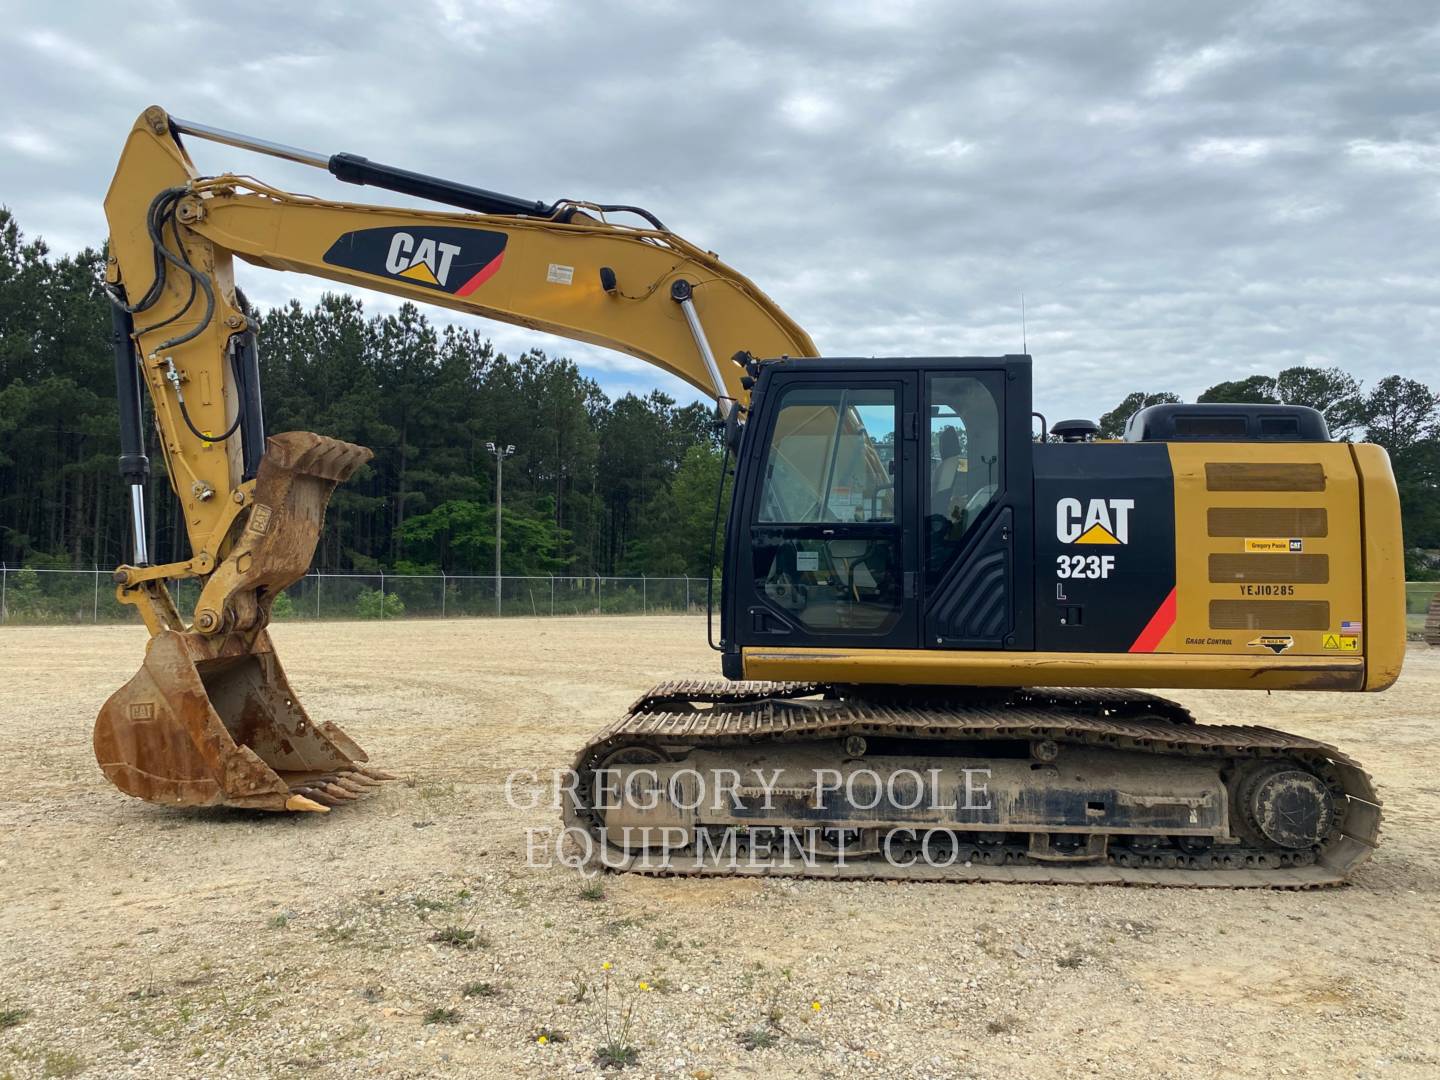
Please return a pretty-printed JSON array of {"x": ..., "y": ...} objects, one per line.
[{"x": 1098, "y": 521}]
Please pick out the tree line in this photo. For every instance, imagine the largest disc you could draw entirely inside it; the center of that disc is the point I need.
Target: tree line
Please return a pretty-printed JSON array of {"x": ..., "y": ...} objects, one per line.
[
  {"x": 623, "y": 486},
  {"x": 595, "y": 486}
]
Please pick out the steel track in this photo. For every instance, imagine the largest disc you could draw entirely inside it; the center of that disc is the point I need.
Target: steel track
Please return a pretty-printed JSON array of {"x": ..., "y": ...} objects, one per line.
[{"x": 718, "y": 714}]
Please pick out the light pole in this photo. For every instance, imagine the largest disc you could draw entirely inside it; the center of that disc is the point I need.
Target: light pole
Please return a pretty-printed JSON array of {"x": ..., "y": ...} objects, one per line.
[{"x": 501, "y": 453}]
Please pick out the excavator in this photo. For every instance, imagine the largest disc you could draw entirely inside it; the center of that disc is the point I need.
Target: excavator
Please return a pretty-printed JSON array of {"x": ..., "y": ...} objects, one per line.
[{"x": 939, "y": 616}]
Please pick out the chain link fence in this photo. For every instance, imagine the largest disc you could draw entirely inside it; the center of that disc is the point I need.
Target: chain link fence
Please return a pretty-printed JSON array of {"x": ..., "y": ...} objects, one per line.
[
  {"x": 30, "y": 596},
  {"x": 56, "y": 597}
]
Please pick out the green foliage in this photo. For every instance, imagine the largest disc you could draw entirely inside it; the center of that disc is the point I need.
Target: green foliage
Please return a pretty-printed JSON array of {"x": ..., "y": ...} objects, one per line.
[
  {"x": 23, "y": 599},
  {"x": 1400, "y": 414},
  {"x": 1333, "y": 392},
  {"x": 1112, "y": 424},
  {"x": 676, "y": 523},
  {"x": 282, "y": 607},
  {"x": 1254, "y": 390},
  {"x": 1421, "y": 566},
  {"x": 459, "y": 536},
  {"x": 373, "y": 604}
]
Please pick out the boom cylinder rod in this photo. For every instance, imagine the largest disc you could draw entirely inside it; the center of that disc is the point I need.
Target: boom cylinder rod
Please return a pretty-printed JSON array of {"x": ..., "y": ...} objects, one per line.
[
  {"x": 249, "y": 142},
  {"x": 683, "y": 294},
  {"x": 354, "y": 169}
]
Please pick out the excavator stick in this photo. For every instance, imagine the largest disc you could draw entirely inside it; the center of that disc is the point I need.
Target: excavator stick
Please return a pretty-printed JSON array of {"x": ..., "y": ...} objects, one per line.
[{"x": 211, "y": 719}]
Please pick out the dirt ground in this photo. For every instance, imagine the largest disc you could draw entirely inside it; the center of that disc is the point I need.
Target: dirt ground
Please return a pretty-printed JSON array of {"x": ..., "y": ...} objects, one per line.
[{"x": 136, "y": 941}]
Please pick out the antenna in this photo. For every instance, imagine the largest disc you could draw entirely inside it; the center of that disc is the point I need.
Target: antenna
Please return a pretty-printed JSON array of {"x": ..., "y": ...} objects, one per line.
[{"x": 1024, "y": 333}]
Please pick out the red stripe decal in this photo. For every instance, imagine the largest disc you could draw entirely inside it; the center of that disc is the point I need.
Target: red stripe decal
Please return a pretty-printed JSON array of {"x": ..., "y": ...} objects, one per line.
[
  {"x": 1158, "y": 626},
  {"x": 486, "y": 273}
]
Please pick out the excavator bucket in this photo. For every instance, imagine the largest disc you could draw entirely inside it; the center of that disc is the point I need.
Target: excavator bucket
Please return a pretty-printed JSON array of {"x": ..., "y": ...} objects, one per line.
[
  {"x": 210, "y": 719},
  {"x": 210, "y": 722}
]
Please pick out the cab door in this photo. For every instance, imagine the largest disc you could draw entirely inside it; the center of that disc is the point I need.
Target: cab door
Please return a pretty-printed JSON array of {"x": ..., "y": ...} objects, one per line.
[
  {"x": 975, "y": 516},
  {"x": 826, "y": 558}
]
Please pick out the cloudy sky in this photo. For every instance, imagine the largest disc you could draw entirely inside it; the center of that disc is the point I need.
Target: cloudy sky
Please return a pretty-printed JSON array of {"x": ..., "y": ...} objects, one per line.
[{"x": 1183, "y": 192}]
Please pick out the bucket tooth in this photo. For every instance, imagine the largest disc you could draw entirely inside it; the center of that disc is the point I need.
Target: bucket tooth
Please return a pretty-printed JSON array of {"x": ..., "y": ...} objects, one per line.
[
  {"x": 316, "y": 794},
  {"x": 301, "y": 803},
  {"x": 335, "y": 791},
  {"x": 355, "y": 776},
  {"x": 353, "y": 786},
  {"x": 375, "y": 774}
]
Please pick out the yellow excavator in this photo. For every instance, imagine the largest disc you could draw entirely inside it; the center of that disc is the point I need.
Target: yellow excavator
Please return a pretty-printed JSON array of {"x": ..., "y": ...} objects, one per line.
[{"x": 934, "y": 612}]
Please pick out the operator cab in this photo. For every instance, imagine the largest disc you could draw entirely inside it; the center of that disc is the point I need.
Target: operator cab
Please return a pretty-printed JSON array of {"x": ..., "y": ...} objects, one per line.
[{"x": 880, "y": 504}]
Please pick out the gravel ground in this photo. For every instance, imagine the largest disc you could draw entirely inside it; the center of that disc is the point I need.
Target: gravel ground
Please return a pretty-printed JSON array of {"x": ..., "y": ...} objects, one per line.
[{"x": 143, "y": 942}]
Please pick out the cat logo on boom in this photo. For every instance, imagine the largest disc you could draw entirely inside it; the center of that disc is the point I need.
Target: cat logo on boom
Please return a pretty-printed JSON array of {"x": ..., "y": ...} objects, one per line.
[
  {"x": 425, "y": 259},
  {"x": 443, "y": 258},
  {"x": 1100, "y": 521}
]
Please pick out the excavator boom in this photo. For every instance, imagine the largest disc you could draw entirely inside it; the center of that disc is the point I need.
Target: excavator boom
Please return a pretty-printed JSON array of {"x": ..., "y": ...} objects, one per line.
[{"x": 211, "y": 718}]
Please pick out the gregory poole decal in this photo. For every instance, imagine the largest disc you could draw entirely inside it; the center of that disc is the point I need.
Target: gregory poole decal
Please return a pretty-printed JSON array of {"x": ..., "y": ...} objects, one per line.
[{"x": 449, "y": 260}]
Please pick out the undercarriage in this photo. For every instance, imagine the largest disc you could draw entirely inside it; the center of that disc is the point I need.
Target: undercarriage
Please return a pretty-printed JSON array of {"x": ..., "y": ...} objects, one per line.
[{"x": 1034, "y": 785}]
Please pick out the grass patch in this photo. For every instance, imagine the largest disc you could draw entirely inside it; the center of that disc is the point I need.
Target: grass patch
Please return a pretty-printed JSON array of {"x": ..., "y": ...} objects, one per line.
[
  {"x": 616, "y": 1056},
  {"x": 593, "y": 892},
  {"x": 10, "y": 1018},
  {"x": 62, "y": 1063},
  {"x": 280, "y": 922},
  {"x": 425, "y": 904},
  {"x": 440, "y": 1015},
  {"x": 1004, "y": 1025},
  {"x": 458, "y": 937},
  {"x": 759, "y": 1038},
  {"x": 480, "y": 990}
]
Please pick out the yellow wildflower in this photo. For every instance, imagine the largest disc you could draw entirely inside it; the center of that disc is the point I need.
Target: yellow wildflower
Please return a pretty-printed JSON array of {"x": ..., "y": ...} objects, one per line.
[
  {"x": 606, "y": 966},
  {"x": 815, "y": 1006},
  {"x": 644, "y": 986},
  {"x": 543, "y": 1039}
]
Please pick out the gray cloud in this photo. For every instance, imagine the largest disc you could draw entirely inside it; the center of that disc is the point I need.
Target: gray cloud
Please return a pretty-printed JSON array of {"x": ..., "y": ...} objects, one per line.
[{"x": 1184, "y": 193}]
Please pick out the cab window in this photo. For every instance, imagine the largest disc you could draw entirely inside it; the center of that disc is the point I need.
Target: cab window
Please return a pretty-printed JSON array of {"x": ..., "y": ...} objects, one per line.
[
  {"x": 831, "y": 462},
  {"x": 966, "y": 470},
  {"x": 831, "y": 458}
]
